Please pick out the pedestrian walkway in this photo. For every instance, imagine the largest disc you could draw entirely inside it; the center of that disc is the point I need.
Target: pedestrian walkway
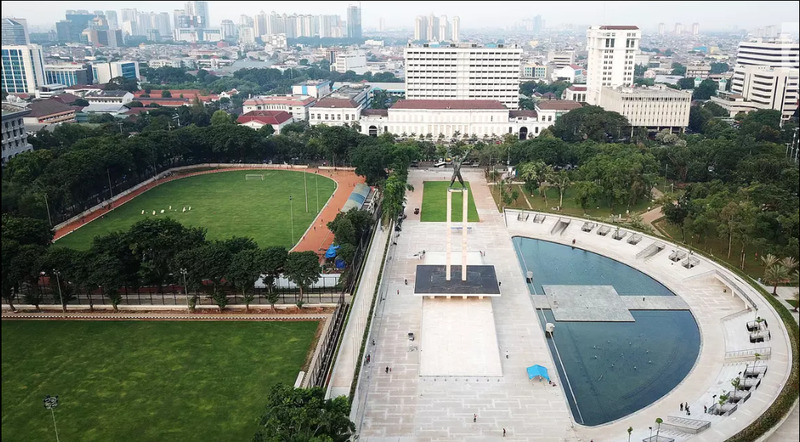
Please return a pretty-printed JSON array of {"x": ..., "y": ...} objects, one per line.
[{"x": 346, "y": 360}]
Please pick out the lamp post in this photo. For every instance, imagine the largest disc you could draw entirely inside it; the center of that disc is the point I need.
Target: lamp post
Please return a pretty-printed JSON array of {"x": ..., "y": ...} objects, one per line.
[
  {"x": 60, "y": 296},
  {"x": 47, "y": 205},
  {"x": 651, "y": 434},
  {"x": 185, "y": 290},
  {"x": 108, "y": 173},
  {"x": 291, "y": 217},
  {"x": 305, "y": 190},
  {"x": 50, "y": 403}
]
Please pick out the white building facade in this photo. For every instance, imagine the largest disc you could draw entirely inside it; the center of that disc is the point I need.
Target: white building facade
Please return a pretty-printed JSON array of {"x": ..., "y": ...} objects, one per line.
[
  {"x": 294, "y": 105},
  {"x": 653, "y": 108},
  {"x": 15, "y": 138},
  {"x": 23, "y": 69},
  {"x": 611, "y": 58},
  {"x": 463, "y": 72}
]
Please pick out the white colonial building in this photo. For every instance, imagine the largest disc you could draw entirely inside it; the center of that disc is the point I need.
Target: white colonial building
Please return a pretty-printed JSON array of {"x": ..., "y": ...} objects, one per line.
[
  {"x": 295, "y": 105},
  {"x": 611, "y": 57},
  {"x": 457, "y": 118},
  {"x": 341, "y": 107}
]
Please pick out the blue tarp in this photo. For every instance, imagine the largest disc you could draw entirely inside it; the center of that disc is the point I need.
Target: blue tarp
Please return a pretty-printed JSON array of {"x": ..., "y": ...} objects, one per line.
[
  {"x": 537, "y": 370},
  {"x": 331, "y": 253}
]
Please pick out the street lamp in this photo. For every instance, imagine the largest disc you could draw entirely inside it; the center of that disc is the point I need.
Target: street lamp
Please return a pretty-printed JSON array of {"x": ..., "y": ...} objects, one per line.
[
  {"x": 291, "y": 216},
  {"x": 651, "y": 434},
  {"x": 185, "y": 290},
  {"x": 60, "y": 296},
  {"x": 50, "y": 403}
]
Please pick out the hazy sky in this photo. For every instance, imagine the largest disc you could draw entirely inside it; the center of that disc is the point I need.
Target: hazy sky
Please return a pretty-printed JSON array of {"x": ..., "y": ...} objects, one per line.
[{"x": 478, "y": 14}]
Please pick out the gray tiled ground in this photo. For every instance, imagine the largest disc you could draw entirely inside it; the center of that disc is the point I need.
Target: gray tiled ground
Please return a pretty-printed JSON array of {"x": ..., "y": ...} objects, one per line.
[{"x": 586, "y": 303}]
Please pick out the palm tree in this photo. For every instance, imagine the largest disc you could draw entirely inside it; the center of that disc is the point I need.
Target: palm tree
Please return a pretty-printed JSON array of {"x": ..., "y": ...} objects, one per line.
[
  {"x": 735, "y": 382},
  {"x": 723, "y": 398},
  {"x": 757, "y": 357},
  {"x": 659, "y": 421},
  {"x": 560, "y": 181},
  {"x": 769, "y": 260},
  {"x": 795, "y": 280},
  {"x": 775, "y": 275},
  {"x": 630, "y": 430},
  {"x": 789, "y": 262}
]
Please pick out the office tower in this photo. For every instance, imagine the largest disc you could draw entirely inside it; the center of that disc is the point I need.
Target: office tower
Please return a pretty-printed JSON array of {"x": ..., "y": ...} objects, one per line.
[
  {"x": 695, "y": 28},
  {"x": 23, "y": 69},
  {"x": 111, "y": 16},
  {"x": 662, "y": 28},
  {"x": 444, "y": 26},
  {"x": 68, "y": 74},
  {"x": 353, "y": 22},
  {"x": 290, "y": 25},
  {"x": 538, "y": 24},
  {"x": 246, "y": 35},
  {"x": 261, "y": 24},
  {"x": 421, "y": 28},
  {"x": 456, "y": 28},
  {"x": 464, "y": 73},
  {"x": 678, "y": 28},
  {"x": 381, "y": 24},
  {"x": 330, "y": 26},
  {"x": 144, "y": 23},
  {"x": 200, "y": 11},
  {"x": 228, "y": 30},
  {"x": 163, "y": 24},
  {"x": 15, "y": 32},
  {"x": 103, "y": 72},
  {"x": 77, "y": 22},
  {"x": 611, "y": 51},
  {"x": 277, "y": 23},
  {"x": 130, "y": 27}
]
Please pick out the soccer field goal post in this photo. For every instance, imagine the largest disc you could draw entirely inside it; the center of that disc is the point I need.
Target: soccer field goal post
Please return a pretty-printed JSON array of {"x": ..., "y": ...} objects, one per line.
[{"x": 254, "y": 176}]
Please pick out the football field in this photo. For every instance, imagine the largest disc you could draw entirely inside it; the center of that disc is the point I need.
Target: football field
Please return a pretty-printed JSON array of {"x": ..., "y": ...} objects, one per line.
[{"x": 226, "y": 204}]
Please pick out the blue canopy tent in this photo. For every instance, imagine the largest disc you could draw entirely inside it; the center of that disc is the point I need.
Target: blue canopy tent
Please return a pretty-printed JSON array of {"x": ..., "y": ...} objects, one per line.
[
  {"x": 537, "y": 370},
  {"x": 331, "y": 253}
]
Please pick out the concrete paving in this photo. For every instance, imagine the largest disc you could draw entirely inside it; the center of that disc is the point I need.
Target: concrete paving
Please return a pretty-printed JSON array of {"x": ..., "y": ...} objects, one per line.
[{"x": 402, "y": 405}]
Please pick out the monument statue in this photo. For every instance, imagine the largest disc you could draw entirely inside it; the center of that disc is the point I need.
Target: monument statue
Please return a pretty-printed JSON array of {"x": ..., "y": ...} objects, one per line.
[{"x": 457, "y": 172}]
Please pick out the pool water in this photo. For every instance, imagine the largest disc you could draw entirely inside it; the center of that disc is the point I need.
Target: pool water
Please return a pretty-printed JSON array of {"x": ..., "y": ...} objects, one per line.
[{"x": 614, "y": 368}]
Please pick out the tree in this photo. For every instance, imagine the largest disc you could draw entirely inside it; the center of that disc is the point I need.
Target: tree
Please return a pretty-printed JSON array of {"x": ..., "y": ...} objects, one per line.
[
  {"x": 686, "y": 83},
  {"x": 122, "y": 83},
  {"x": 639, "y": 70},
  {"x": 296, "y": 414},
  {"x": 221, "y": 117},
  {"x": 134, "y": 103},
  {"x": 719, "y": 68},
  {"x": 630, "y": 430},
  {"x": 243, "y": 271},
  {"x": 82, "y": 102},
  {"x": 302, "y": 268},
  {"x": 705, "y": 90},
  {"x": 735, "y": 382},
  {"x": 592, "y": 123},
  {"x": 659, "y": 421},
  {"x": 271, "y": 263},
  {"x": 560, "y": 180},
  {"x": 775, "y": 275},
  {"x": 677, "y": 211},
  {"x": 678, "y": 69},
  {"x": 166, "y": 94},
  {"x": 715, "y": 109}
]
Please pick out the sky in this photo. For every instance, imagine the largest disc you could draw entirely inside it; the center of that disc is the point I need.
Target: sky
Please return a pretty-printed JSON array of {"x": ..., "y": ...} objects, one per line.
[{"x": 479, "y": 14}]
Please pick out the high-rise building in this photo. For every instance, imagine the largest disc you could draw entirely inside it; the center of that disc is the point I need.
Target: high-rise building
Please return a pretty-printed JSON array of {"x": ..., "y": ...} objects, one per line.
[
  {"x": 228, "y": 30},
  {"x": 765, "y": 77},
  {"x": 421, "y": 28},
  {"x": 246, "y": 35},
  {"x": 695, "y": 28},
  {"x": 23, "y": 69},
  {"x": 103, "y": 72},
  {"x": 163, "y": 24},
  {"x": 611, "y": 56},
  {"x": 433, "y": 27},
  {"x": 128, "y": 14},
  {"x": 77, "y": 22},
  {"x": 67, "y": 74},
  {"x": 662, "y": 28},
  {"x": 456, "y": 35},
  {"x": 200, "y": 11},
  {"x": 463, "y": 72},
  {"x": 111, "y": 16},
  {"x": 538, "y": 24},
  {"x": 678, "y": 28},
  {"x": 354, "y": 21},
  {"x": 15, "y": 32},
  {"x": 261, "y": 24},
  {"x": 246, "y": 20},
  {"x": 381, "y": 24}
]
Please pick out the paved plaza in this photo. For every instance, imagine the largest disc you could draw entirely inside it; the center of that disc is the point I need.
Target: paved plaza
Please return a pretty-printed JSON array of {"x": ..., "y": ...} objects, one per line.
[{"x": 405, "y": 404}]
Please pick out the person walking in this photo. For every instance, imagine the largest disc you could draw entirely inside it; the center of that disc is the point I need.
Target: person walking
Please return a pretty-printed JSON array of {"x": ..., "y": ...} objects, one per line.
[
  {"x": 474, "y": 418},
  {"x": 504, "y": 432},
  {"x": 681, "y": 406}
]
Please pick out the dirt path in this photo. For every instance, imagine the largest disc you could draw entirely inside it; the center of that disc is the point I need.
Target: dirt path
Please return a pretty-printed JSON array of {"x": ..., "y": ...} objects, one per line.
[{"x": 317, "y": 238}]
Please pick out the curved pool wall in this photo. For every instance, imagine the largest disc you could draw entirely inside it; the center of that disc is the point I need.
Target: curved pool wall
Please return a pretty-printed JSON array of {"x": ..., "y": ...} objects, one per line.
[{"x": 614, "y": 368}]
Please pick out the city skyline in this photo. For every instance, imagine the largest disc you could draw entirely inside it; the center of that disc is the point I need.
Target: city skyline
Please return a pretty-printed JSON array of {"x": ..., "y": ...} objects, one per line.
[{"x": 42, "y": 16}]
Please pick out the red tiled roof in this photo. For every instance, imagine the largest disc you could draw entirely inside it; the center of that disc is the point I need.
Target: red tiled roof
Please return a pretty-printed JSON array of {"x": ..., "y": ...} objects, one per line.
[
  {"x": 577, "y": 88},
  {"x": 265, "y": 117},
  {"x": 66, "y": 98},
  {"x": 169, "y": 102},
  {"x": 522, "y": 113},
  {"x": 49, "y": 107},
  {"x": 575, "y": 66},
  {"x": 138, "y": 110},
  {"x": 187, "y": 93},
  {"x": 558, "y": 105},
  {"x": 335, "y": 103},
  {"x": 286, "y": 100},
  {"x": 449, "y": 104},
  {"x": 377, "y": 112},
  {"x": 619, "y": 28}
]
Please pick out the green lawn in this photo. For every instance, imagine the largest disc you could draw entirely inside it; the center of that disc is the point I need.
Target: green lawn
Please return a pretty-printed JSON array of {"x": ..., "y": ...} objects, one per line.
[
  {"x": 434, "y": 203},
  {"x": 224, "y": 203},
  {"x": 571, "y": 206},
  {"x": 145, "y": 381}
]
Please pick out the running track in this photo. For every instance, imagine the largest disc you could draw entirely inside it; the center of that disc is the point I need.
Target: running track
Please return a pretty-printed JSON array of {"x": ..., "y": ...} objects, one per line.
[{"x": 317, "y": 238}]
